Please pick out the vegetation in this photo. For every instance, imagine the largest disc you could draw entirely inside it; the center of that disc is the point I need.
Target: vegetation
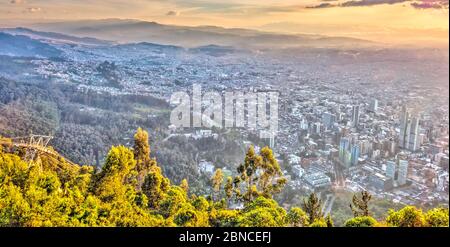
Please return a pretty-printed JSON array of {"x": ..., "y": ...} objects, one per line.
[
  {"x": 313, "y": 208},
  {"x": 131, "y": 190},
  {"x": 360, "y": 206},
  {"x": 361, "y": 221},
  {"x": 259, "y": 175}
]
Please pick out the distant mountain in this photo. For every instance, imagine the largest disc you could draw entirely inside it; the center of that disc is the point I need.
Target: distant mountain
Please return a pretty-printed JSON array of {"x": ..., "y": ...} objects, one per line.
[
  {"x": 145, "y": 46},
  {"x": 53, "y": 37},
  {"x": 135, "y": 31},
  {"x": 23, "y": 46},
  {"x": 213, "y": 50}
]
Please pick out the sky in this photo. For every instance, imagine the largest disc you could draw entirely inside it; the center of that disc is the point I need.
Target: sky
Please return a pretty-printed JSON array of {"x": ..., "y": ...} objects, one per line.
[{"x": 390, "y": 21}]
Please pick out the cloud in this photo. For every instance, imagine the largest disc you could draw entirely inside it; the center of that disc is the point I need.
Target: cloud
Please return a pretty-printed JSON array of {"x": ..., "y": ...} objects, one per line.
[
  {"x": 430, "y": 4},
  {"x": 358, "y": 3},
  {"x": 419, "y": 4},
  {"x": 354, "y": 3},
  {"x": 322, "y": 6},
  {"x": 173, "y": 13},
  {"x": 17, "y": 2}
]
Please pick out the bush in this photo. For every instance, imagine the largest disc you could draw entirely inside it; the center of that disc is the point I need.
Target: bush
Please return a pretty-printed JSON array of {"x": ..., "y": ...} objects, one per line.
[
  {"x": 362, "y": 221},
  {"x": 319, "y": 223},
  {"x": 408, "y": 216},
  {"x": 437, "y": 217}
]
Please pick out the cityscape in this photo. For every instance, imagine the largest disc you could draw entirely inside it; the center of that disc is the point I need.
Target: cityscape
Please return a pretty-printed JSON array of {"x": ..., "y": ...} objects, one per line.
[{"x": 354, "y": 114}]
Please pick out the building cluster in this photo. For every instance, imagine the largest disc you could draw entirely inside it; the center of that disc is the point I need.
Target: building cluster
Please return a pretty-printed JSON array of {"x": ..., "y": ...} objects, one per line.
[{"x": 346, "y": 129}]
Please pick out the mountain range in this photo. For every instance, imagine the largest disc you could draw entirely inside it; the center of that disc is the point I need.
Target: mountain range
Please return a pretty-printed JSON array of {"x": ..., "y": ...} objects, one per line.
[
  {"x": 135, "y": 31},
  {"x": 24, "y": 46}
]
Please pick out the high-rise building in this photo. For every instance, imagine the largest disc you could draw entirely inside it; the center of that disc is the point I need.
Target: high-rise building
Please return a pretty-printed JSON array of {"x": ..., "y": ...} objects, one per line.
[
  {"x": 365, "y": 146},
  {"x": 353, "y": 137},
  {"x": 391, "y": 167},
  {"x": 304, "y": 124},
  {"x": 349, "y": 152},
  {"x": 347, "y": 158},
  {"x": 414, "y": 143},
  {"x": 355, "y": 115},
  {"x": 404, "y": 116},
  {"x": 403, "y": 166},
  {"x": 373, "y": 105},
  {"x": 328, "y": 119},
  {"x": 343, "y": 146},
  {"x": 317, "y": 128},
  {"x": 354, "y": 155},
  {"x": 409, "y": 136}
]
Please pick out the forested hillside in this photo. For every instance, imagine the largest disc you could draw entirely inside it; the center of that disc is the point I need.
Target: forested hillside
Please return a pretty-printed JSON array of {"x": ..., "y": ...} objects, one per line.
[{"x": 131, "y": 190}]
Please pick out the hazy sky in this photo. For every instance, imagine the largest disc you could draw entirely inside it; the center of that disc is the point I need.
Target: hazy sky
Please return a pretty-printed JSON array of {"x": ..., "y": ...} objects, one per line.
[{"x": 382, "y": 20}]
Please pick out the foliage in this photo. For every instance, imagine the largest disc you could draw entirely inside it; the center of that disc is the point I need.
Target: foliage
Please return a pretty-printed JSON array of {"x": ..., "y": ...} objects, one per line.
[
  {"x": 260, "y": 175},
  {"x": 329, "y": 221},
  {"x": 361, "y": 221},
  {"x": 319, "y": 223},
  {"x": 131, "y": 190},
  {"x": 297, "y": 217},
  {"x": 217, "y": 181},
  {"x": 263, "y": 212},
  {"x": 437, "y": 217},
  {"x": 360, "y": 206},
  {"x": 224, "y": 218},
  {"x": 409, "y": 216},
  {"x": 313, "y": 208}
]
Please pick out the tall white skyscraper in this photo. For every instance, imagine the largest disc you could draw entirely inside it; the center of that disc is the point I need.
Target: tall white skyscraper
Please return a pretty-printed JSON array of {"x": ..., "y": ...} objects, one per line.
[
  {"x": 404, "y": 116},
  {"x": 403, "y": 166},
  {"x": 414, "y": 143}
]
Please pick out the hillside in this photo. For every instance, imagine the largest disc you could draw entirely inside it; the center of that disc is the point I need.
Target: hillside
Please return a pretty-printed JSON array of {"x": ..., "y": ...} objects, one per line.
[
  {"x": 23, "y": 46},
  {"x": 54, "y": 38},
  {"x": 130, "y": 190}
]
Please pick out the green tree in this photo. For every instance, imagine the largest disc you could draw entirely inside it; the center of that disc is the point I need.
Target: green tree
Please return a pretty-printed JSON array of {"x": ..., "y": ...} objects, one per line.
[
  {"x": 112, "y": 181},
  {"x": 360, "y": 206},
  {"x": 228, "y": 189},
  {"x": 185, "y": 185},
  {"x": 172, "y": 202},
  {"x": 361, "y": 221},
  {"x": 200, "y": 204},
  {"x": 247, "y": 172},
  {"x": 155, "y": 187},
  {"x": 437, "y": 217},
  {"x": 319, "y": 223},
  {"x": 329, "y": 221},
  {"x": 296, "y": 217},
  {"x": 313, "y": 208},
  {"x": 224, "y": 218},
  {"x": 260, "y": 174},
  {"x": 408, "y": 216},
  {"x": 187, "y": 216},
  {"x": 271, "y": 180},
  {"x": 141, "y": 150},
  {"x": 263, "y": 212},
  {"x": 217, "y": 180}
]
